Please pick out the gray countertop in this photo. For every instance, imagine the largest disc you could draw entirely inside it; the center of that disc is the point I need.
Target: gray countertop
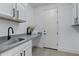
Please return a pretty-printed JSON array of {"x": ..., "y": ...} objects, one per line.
[{"x": 4, "y": 47}]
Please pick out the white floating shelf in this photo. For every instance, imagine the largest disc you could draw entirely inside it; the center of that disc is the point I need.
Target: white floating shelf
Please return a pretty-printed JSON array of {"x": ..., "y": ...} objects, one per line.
[{"x": 10, "y": 18}]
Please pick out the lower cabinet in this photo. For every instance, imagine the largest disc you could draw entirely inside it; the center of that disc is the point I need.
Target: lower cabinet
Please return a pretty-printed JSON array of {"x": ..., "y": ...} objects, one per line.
[
  {"x": 18, "y": 54},
  {"x": 28, "y": 52},
  {"x": 24, "y": 49},
  {"x": 25, "y": 52}
]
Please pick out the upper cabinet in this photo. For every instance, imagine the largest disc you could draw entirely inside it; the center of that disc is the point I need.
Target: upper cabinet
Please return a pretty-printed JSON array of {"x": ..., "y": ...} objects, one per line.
[
  {"x": 75, "y": 15},
  {"x": 21, "y": 11},
  {"x": 6, "y": 8},
  {"x": 12, "y": 12}
]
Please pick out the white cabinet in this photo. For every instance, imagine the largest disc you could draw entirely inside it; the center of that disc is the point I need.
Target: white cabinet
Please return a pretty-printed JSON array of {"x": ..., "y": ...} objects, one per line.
[
  {"x": 12, "y": 12},
  {"x": 75, "y": 14},
  {"x": 18, "y": 54},
  {"x": 21, "y": 11},
  {"x": 28, "y": 52},
  {"x": 6, "y": 8},
  {"x": 8, "y": 11},
  {"x": 24, "y": 49}
]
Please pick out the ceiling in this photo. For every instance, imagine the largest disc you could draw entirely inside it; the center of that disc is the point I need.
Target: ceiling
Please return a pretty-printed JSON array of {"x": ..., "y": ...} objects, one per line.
[{"x": 35, "y": 5}]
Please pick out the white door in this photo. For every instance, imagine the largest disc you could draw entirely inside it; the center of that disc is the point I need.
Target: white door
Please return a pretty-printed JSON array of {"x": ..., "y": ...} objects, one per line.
[{"x": 49, "y": 18}]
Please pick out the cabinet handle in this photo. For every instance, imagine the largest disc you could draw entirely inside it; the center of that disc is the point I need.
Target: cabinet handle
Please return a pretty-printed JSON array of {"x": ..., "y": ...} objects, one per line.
[
  {"x": 24, "y": 53},
  {"x": 20, "y": 54}
]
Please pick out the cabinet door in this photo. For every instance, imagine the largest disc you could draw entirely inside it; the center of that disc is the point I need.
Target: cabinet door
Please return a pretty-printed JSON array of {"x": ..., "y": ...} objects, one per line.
[
  {"x": 28, "y": 51},
  {"x": 18, "y": 54},
  {"x": 21, "y": 10},
  {"x": 6, "y": 8}
]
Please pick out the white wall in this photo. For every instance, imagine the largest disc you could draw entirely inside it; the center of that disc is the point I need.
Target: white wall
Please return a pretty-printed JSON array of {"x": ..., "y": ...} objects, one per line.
[
  {"x": 18, "y": 28},
  {"x": 68, "y": 36}
]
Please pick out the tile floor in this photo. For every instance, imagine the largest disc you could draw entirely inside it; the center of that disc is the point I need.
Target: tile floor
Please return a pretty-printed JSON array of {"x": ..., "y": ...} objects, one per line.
[{"x": 49, "y": 52}]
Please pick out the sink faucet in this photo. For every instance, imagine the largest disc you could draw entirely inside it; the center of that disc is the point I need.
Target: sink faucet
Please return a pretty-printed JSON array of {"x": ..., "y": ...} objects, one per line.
[{"x": 9, "y": 32}]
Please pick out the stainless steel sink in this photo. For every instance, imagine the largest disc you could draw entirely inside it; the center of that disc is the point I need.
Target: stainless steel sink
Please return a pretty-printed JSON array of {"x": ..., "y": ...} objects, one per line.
[
  {"x": 21, "y": 39},
  {"x": 16, "y": 40},
  {"x": 13, "y": 41}
]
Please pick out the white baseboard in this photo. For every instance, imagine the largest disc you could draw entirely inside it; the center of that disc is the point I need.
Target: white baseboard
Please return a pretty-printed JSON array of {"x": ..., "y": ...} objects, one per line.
[
  {"x": 68, "y": 50},
  {"x": 64, "y": 50}
]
